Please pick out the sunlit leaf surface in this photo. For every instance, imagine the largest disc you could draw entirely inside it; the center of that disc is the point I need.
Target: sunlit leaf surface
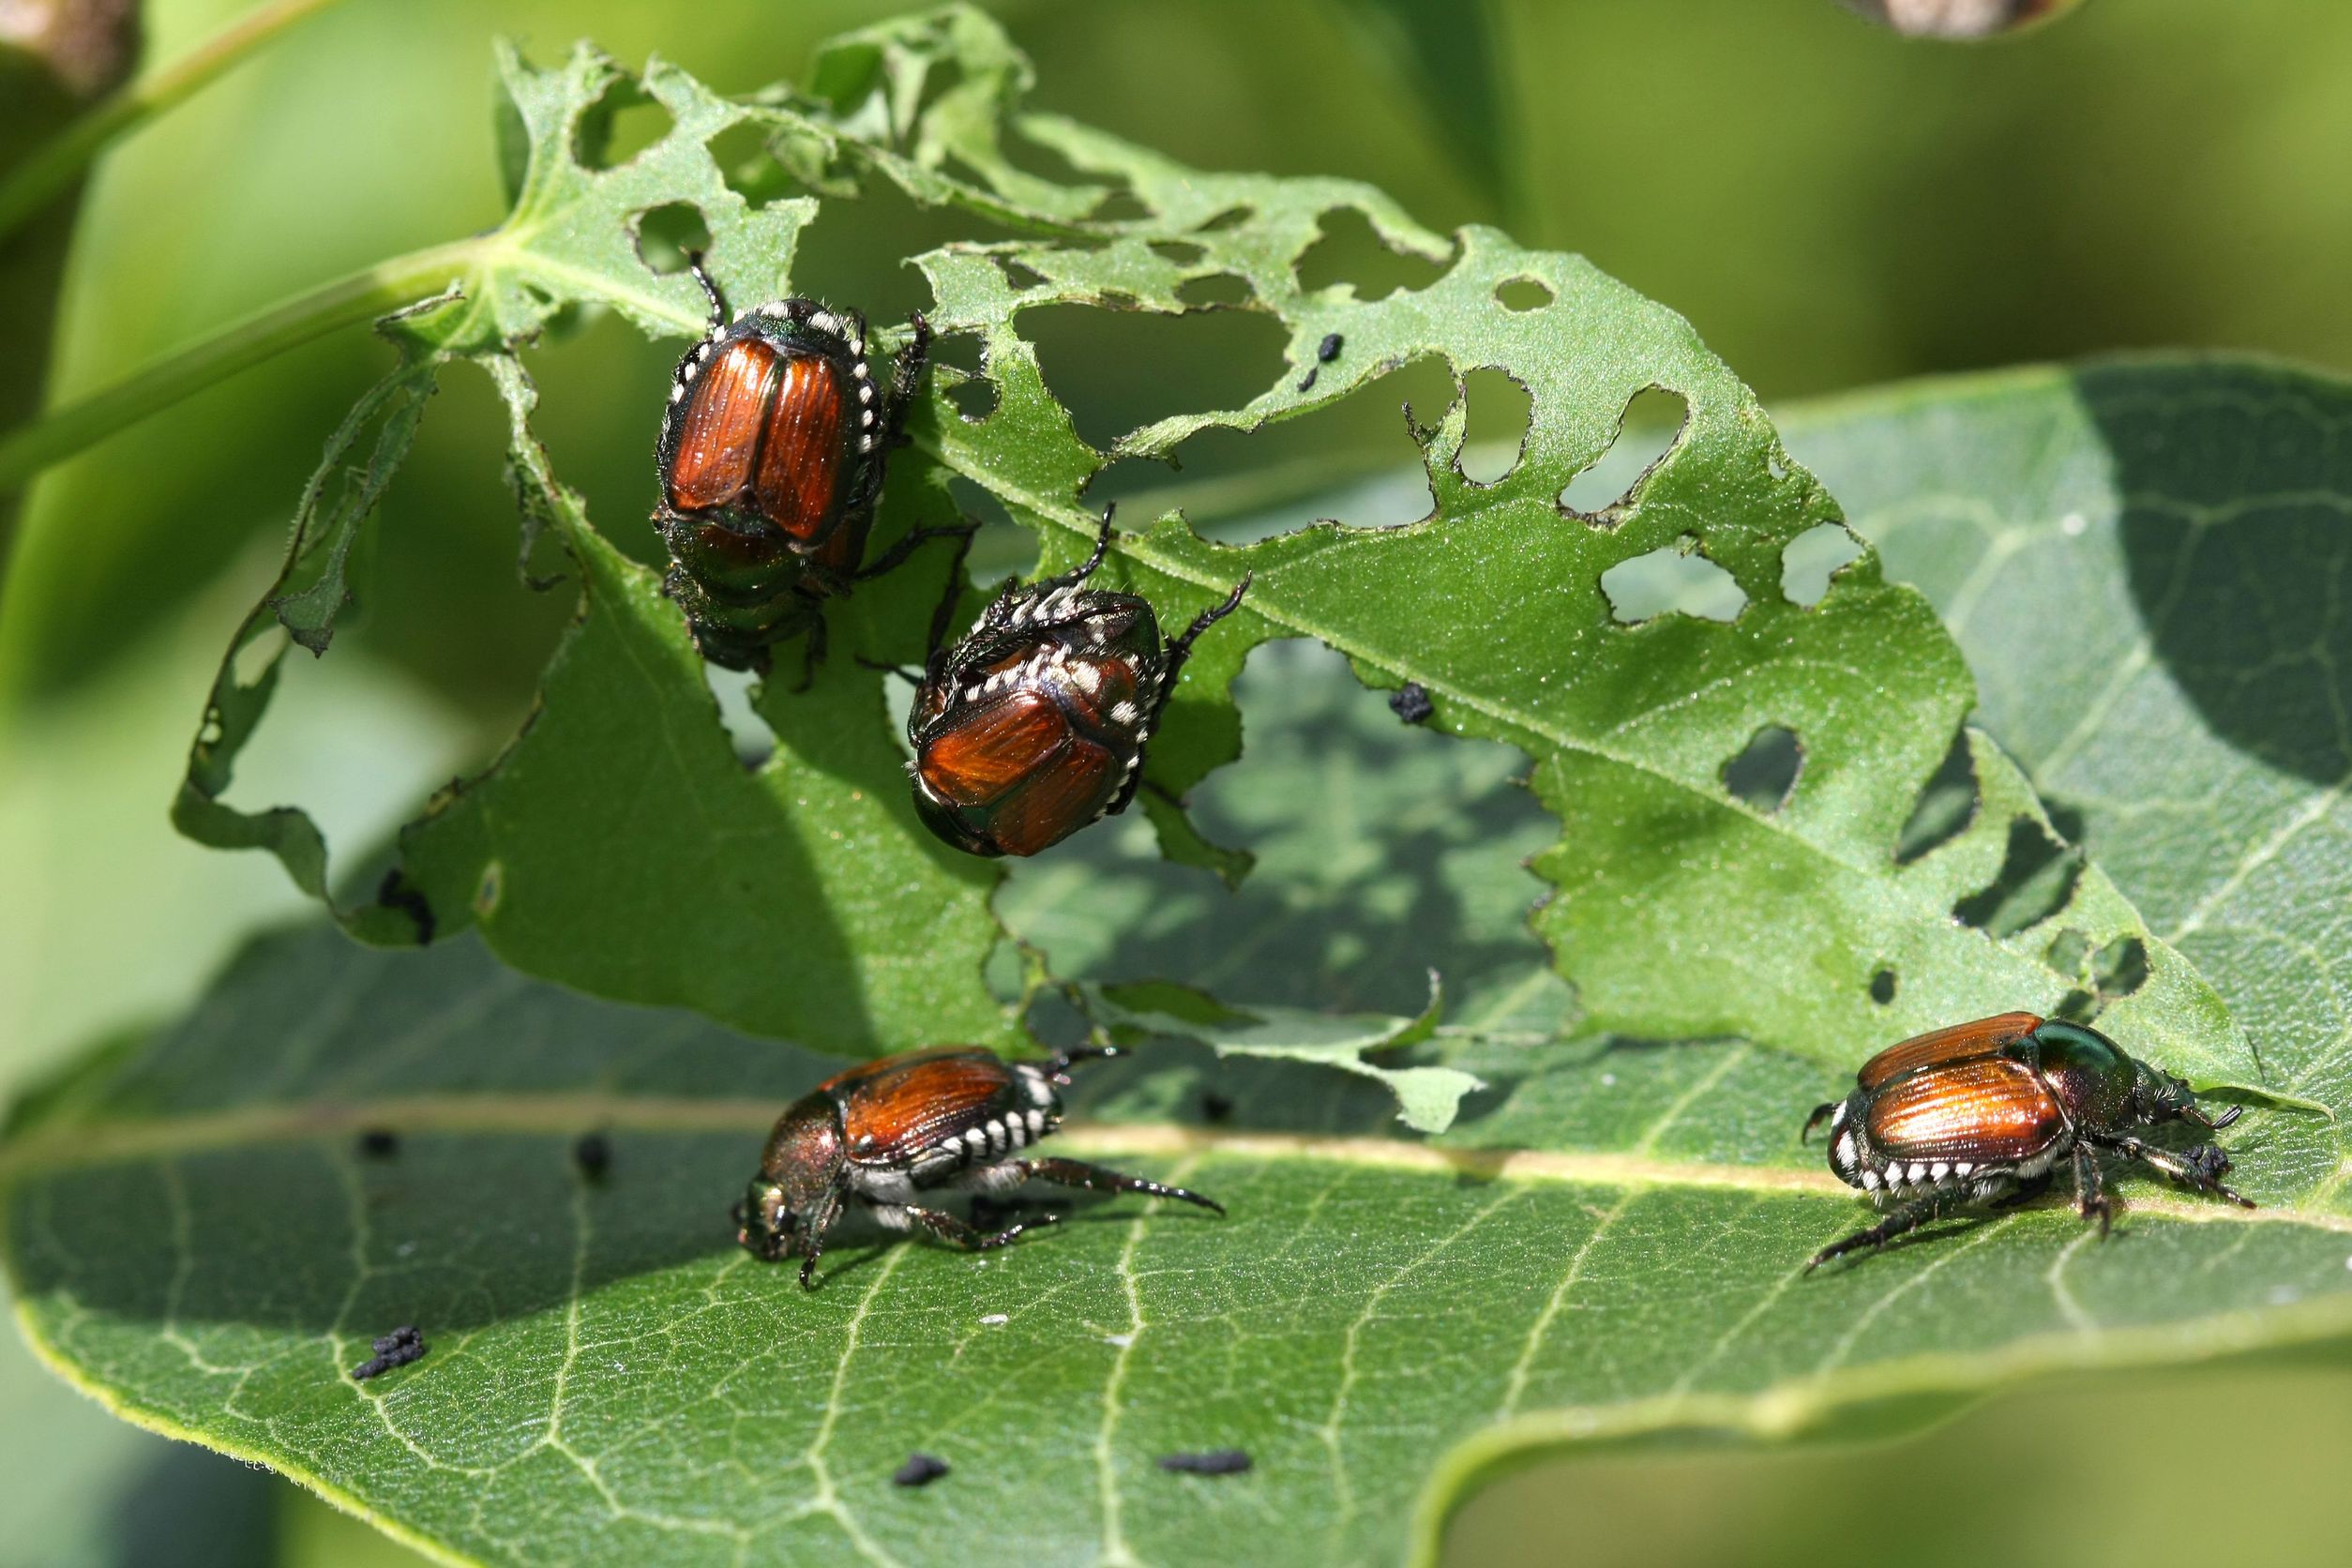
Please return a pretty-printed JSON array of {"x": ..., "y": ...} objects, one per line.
[
  {"x": 619, "y": 847},
  {"x": 1606, "y": 1244}
]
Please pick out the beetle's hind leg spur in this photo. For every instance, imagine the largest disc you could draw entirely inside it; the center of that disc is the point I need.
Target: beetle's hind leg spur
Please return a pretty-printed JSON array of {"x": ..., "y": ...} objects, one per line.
[
  {"x": 1078, "y": 1174},
  {"x": 1910, "y": 1217}
]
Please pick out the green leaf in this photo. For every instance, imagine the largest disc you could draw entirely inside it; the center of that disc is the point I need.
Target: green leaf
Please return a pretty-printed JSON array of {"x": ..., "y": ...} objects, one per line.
[
  {"x": 619, "y": 843},
  {"x": 1428, "y": 1097},
  {"x": 2144, "y": 560},
  {"x": 1606, "y": 1246},
  {"x": 1684, "y": 908}
]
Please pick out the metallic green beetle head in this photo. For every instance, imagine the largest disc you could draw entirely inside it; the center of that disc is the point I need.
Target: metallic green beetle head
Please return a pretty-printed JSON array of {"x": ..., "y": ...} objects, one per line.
[
  {"x": 798, "y": 1188},
  {"x": 2159, "y": 1096}
]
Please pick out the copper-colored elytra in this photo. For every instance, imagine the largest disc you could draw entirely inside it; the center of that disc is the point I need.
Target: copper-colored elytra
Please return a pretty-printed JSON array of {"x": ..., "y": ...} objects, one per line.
[
  {"x": 720, "y": 437},
  {"x": 1045, "y": 806},
  {"x": 905, "y": 1102},
  {"x": 1115, "y": 683},
  {"x": 1961, "y": 1110},
  {"x": 802, "y": 462},
  {"x": 1957, "y": 1043},
  {"x": 995, "y": 746}
]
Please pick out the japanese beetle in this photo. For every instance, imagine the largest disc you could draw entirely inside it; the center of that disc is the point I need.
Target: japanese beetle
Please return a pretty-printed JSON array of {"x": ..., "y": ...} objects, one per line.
[
  {"x": 1985, "y": 1112},
  {"x": 1034, "y": 724},
  {"x": 956, "y": 1117},
  {"x": 771, "y": 455}
]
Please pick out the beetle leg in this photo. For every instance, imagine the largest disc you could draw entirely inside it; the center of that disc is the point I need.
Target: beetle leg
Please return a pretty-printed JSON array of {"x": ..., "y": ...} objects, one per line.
[
  {"x": 1910, "y": 1217},
  {"x": 1820, "y": 1114},
  {"x": 2200, "y": 1167},
  {"x": 905, "y": 375},
  {"x": 955, "y": 1232},
  {"x": 908, "y": 543},
  {"x": 1180, "y": 649},
  {"x": 1102, "y": 546},
  {"x": 1078, "y": 1174},
  {"x": 709, "y": 288},
  {"x": 2091, "y": 1198}
]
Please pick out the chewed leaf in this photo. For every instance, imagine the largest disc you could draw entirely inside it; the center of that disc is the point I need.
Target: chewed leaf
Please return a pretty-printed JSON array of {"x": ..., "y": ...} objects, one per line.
[
  {"x": 2120, "y": 544},
  {"x": 1427, "y": 1097},
  {"x": 804, "y": 900}
]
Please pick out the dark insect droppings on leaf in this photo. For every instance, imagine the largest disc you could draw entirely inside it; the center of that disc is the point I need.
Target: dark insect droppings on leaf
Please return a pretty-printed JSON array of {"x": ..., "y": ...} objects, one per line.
[
  {"x": 1328, "y": 350},
  {"x": 592, "y": 1154},
  {"x": 1308, "y": 383},
  {"x": 920, "y": 1469},
  {"x": 395, "y": 893},
  {"x": 400, "y": 1347},
  {"x": 1410, "y": 702},
  {"x": 1215, "y": 1461},
  {"x": 378, "y": 1143}
]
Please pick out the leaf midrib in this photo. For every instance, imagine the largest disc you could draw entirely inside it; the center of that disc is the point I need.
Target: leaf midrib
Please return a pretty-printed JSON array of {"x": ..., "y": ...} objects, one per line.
[
  {"x": 76, "y": 1145},
  {"x": 1129, "y": 545}
]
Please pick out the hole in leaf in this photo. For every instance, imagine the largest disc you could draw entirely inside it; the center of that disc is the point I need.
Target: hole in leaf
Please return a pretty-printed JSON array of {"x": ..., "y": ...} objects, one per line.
[
  {"x": 851, "y": 253},
  {"x": 2037, "y": 877},
  {"x": 754, "y": 742},
  {"x": 1882, "y": 986},
  {"x": 2121, "y": 967},
  {"x": 750, "y": 171},
  {"x": 1019, "y": 275},
  {"x": 1237, "y": 486},
  {"x": 2077, "y": 1007},
  {"x": 1090, "y": 357},
  {"x": 2068, "y": 950},
  {"x": 1672, "y": 578},
  {"x": 617, "y": 127},
  {"x": 1646, "y": 434},
  {"x": 1217, "y": 290},
  {"x": 1523, "y": 294},
  {"x": 1043, "y": 161},
  {"x": 1350, "y": 251},
  {"x": 1764, "y": 774},
  {"x": 1002, "y": 548},
  {"x": 1812, "y": 558},
  {"x": 1231, "y": 217},
  {"x": 1946, "y": 805},
  {"x": 666, "y": 233},
  {"x": 973, "y": 394},
  {"x": 1182, "y": 251},
  {"x": 1500, "y": 410},
  {"x": 1120, "y": 205}
]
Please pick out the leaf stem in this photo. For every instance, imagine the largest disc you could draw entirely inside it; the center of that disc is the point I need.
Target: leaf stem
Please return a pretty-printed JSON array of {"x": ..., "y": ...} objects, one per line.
[
  {"x": 358, "y": 296},
  {"x": 34, "y": 182}
]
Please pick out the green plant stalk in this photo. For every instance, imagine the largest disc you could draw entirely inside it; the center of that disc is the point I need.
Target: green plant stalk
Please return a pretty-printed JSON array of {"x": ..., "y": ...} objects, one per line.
[
  {"x": 37, "y": 181},
  {"x": 358, "y": 296}
]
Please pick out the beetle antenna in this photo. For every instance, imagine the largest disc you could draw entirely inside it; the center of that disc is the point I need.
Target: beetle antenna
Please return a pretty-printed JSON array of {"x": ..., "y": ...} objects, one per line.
[
  {"x": 2197, "y": 1114},
  {"x": 709, "y": 288}
]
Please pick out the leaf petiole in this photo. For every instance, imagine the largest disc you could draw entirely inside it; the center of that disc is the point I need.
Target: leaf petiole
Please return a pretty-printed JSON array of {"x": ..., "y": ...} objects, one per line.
[{"x": 357, "y": 296}]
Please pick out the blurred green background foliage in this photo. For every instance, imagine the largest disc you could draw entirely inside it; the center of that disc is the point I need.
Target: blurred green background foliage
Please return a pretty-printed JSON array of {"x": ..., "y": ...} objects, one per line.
[{"x": 1831, "y": 206}]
